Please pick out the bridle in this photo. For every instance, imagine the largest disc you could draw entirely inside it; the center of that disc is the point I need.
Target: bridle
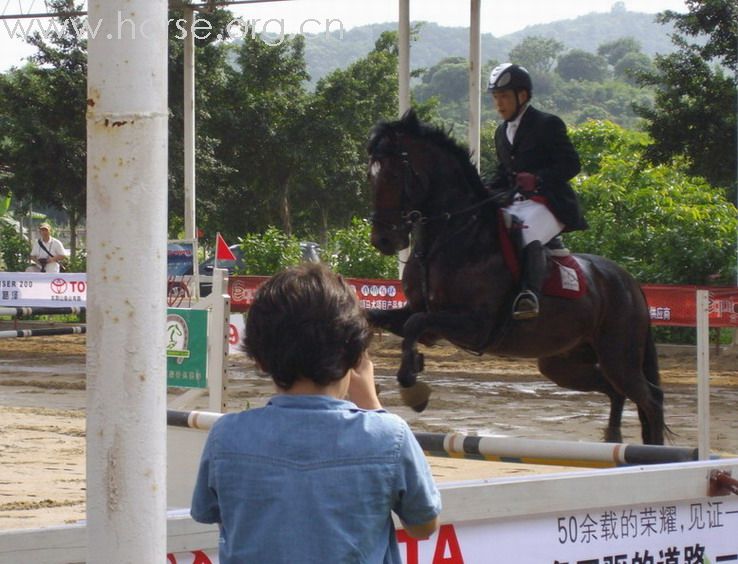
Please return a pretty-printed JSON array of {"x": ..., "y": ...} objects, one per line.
[
  {"x": 415, "y": 221},
  {"x": 409, "y": 220},
  {"x": 397, "y": 219}
]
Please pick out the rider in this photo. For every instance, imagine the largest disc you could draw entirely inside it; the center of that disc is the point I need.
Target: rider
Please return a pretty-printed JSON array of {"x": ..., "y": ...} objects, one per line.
[{"x": 536, "y": 160}]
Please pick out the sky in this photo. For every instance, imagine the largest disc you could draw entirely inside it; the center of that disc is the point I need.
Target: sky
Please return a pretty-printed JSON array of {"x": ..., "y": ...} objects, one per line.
[{"x": 499, "y": 17}]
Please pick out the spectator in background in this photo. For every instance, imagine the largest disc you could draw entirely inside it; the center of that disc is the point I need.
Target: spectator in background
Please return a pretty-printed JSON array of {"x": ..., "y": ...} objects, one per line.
[
  {"x": 47, "y": 252},
  {"x": 313, "y": 477}
]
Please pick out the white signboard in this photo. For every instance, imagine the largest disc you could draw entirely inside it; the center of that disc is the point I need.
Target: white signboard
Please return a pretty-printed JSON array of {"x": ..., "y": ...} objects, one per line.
[
  {"x": 37, "y": 289},
  {"x": 700, "y": 532},
  {"x": 236, "y": 331}
]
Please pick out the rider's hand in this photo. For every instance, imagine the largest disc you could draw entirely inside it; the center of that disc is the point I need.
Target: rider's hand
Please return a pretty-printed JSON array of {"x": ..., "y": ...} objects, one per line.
[{"x": 526, "y": 181}]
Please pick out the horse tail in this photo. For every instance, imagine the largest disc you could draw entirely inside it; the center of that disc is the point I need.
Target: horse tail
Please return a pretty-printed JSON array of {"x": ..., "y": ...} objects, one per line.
[
  {"x": 651, "y": 372},
  {"x": 651, "y": 361}
]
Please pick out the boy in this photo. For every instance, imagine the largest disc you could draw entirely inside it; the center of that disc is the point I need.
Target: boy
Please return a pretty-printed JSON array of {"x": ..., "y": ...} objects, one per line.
[{"x": 312, "y": 477}]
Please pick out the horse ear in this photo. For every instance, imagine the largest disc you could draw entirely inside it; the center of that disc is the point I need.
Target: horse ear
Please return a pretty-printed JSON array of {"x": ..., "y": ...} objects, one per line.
[{"x": 410, "y": 120}]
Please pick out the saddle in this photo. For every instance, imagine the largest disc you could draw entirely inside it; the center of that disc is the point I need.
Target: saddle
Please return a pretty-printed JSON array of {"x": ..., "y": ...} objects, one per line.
[{"x": 564, "y": 275}]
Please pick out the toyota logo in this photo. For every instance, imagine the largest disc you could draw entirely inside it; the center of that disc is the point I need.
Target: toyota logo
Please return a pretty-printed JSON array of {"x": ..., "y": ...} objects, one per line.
[{"x": 58, "y": 285}]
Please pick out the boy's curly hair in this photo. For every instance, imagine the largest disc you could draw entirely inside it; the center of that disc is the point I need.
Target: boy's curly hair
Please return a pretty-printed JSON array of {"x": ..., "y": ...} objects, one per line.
[{"x": 305, "y": 322}]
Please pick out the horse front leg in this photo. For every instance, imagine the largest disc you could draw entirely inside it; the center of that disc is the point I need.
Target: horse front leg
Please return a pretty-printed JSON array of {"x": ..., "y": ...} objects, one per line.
[
  {"x": 392, "y": 320},
  {"x": 459, "y": 327}
]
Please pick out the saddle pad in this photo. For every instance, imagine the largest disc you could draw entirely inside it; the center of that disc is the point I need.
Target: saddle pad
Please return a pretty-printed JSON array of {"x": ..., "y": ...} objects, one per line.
[{"x": 565, "y": 278}]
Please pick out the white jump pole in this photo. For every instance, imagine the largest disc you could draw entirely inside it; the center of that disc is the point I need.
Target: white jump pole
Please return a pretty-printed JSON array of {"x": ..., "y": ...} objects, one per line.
[
  {"x": 703, "y": 374},
  {"x": 126, "y": 309}
]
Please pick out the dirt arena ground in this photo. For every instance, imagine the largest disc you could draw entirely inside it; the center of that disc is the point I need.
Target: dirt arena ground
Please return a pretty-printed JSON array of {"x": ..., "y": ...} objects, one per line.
[{"x": 42, "y": 398}]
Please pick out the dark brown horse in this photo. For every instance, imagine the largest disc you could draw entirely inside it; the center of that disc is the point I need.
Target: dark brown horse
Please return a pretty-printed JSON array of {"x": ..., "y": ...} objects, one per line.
[{"x": 459, "y": 287}]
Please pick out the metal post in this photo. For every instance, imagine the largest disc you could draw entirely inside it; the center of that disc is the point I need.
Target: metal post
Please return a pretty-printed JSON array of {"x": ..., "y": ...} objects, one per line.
[
  {"x": 189, "y": 128},
  {"x": 475, "y": 61},
  {"x": 403, "y": 72},
  {"x": 703, "y": 374},
  {"x": 126, "y": 309},
  {"x": 403, "y": 48}
]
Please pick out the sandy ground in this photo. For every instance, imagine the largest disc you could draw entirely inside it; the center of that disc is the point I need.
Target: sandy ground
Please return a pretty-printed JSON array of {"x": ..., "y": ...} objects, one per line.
[{"x": 42, "y": 399}]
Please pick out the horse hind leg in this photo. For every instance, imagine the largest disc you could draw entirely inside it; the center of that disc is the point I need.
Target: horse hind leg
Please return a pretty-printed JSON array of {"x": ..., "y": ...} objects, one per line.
[
  {"x": 633, "y": 371},
  {"x": 578, "y": 370}
]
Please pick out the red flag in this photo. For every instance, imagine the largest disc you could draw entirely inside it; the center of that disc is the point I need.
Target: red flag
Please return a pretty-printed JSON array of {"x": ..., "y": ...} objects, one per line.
[{"x": 222, "y": 252}]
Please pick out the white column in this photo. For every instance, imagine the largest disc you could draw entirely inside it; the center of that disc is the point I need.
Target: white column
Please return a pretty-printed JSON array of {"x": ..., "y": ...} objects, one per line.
[
  {"x": 475, "y": 69},
  {"x": 403, "y": 72},
  {"x": 126, "y": 265},
  {"x": 190, "y": 193},
  {"x": 703, "y": 374},
  {"x": 403, "y": 69}
]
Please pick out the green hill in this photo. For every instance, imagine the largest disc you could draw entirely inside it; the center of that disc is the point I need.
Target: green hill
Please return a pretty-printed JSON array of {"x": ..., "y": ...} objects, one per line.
[{"x": 435, "y": 42}]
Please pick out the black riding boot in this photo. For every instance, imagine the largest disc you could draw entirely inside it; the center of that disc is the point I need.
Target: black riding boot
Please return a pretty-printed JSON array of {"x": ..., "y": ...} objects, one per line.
[{"x": 525, "y": 305}]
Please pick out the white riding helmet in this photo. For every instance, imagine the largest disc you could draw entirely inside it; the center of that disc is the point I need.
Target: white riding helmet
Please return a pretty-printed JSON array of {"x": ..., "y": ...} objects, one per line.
[{"x": 508, "y": 76}]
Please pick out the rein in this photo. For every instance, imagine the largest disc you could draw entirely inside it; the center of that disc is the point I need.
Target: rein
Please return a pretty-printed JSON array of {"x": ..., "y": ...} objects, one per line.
[{"x": 415, "y": 221}]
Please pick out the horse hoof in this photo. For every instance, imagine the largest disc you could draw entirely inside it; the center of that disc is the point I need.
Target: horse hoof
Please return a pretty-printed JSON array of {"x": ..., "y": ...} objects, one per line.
[{"x": 416, "y": 396}]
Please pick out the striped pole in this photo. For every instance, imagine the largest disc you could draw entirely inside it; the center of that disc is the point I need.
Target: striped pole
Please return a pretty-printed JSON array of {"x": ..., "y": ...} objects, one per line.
[
  {"x": 26, "y": 311},
  {"x": 43, "y": 332},
  {"x": 506, "y": 449}
]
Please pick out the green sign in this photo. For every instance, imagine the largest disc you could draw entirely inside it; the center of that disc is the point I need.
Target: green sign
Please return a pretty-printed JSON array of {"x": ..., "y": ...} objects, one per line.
[{"x": 187, "y": 347}]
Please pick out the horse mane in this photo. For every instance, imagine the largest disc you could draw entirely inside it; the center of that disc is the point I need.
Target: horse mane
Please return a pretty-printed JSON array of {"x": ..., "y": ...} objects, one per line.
[{"x": 410, "y": 125}]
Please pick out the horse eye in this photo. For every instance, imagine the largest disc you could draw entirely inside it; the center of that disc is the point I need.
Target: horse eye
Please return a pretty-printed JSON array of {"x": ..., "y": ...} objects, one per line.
[{"x": 374, "y": 169}]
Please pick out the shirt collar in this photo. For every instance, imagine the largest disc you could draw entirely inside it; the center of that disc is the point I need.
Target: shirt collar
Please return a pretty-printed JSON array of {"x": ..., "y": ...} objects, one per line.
[{"x": 302, "y": 401}]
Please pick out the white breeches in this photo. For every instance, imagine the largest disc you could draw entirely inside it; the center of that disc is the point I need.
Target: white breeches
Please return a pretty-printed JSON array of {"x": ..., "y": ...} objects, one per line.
[{"x": 539, "y": 224}]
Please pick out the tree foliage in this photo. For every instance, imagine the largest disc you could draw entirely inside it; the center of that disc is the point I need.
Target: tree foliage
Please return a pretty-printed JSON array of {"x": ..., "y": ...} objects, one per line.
[
  {"x": 349, "y": 252},
  {"x": 42, "y": 112},
  {"x": 267, "y": 253},
  {"x": 578, "y": 64},
  {"x": 614, "y": 51},
  {"x": 537, "y": 54},
  {"x": 694, "y": 112},
  {"x": 659, "y": 222}
]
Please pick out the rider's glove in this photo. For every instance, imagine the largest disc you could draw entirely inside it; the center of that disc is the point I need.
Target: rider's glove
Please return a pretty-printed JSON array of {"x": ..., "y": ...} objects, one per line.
[{"x": 526, "y": 182}]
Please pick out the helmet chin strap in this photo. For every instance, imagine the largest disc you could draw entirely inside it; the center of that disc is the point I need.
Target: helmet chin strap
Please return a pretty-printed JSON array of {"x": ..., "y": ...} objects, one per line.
[{"x": 518, "y": 107}]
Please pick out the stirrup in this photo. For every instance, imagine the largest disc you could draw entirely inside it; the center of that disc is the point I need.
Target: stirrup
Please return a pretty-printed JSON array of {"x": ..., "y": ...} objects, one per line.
[{"x": 525, "y": 305}]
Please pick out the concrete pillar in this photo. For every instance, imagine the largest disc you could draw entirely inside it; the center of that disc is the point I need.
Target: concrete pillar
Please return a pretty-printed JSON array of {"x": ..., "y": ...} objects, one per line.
[{"x": 126, "y": 265}]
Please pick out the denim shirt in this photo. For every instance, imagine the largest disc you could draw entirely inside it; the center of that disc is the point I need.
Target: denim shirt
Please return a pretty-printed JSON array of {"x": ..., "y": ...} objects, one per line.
[{"x": 312, "y": 479}]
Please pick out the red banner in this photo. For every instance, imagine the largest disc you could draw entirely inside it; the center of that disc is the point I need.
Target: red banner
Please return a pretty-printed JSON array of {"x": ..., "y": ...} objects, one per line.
[
  {"x": 668, "y": 305},
  {"x": 676, "y": 306},
  {"x": 372, "y": 294}
]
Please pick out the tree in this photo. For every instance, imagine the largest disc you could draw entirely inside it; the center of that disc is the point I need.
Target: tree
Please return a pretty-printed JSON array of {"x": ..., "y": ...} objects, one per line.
[
  {"x": 256, "y": 117},
  {"x": 448, "y": 80},
  {"x": 631, "y": 66},
  {"x": 694, "y": 112},
  {"x": 346, "y": 105},
  {"x": 581, "y": 65},
  {"x": 537, "y": 54},
  {"x": 660, "y": 223},
  {"x": 42, "y": 109},
  {"x": 210, "y": 87},
  {"x": 614, "y": 51}
]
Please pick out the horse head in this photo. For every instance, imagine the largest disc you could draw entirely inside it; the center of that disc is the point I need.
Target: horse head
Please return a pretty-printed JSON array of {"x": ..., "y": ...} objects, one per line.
[{"x": 417, "y": 172}]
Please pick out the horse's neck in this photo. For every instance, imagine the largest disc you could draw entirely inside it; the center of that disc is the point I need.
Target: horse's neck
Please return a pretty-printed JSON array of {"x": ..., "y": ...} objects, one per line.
[{"x": 470, "y": 228}]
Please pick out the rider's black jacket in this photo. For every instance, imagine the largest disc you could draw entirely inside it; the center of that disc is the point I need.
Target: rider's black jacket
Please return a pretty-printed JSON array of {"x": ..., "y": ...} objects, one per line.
[{"x": 541, "y": 147}]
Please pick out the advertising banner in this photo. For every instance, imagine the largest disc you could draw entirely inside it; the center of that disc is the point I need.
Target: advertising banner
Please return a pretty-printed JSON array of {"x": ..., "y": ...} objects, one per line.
[
  {"x": 187, "y": 347},
  {"x": 676, "y": 306},
  {"x": 372, "y": 294},
  {"x": 41, "y": 289},
  {"x": 695, "y": 532}
]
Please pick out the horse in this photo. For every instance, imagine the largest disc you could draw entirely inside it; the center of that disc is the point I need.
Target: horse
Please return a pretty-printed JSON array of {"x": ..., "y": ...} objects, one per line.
[{"x": 428, "y": 195}]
